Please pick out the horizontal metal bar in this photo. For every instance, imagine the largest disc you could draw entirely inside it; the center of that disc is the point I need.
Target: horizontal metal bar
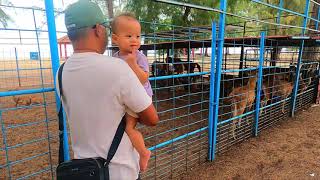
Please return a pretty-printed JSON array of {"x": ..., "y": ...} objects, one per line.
[
  {"x": 26, "y": 77},
  {"x": 23, "y": 69},
  {"x": 33, "y": 79},
  {"x": 231, "y": 14},
  {"x": 315, "y": 2},
  {"x": 165, "y": 38},
  {"x": 191, "y": 141},
  {"x": 28, "y": 124},
  {"x": 300, "y": 37},
  {"x": 3, "y": 166},
  {"x": 172, "y": 130},
  {"x": 28, "y": 142},
  {"x": 274, "y": 104},
  {"x": 30, "y": 8},
  {"x": 180, "y": 97},
  {"x": 177, "y": 76},
  {"x": 185, "y": 106},
  {"x": 52, "y": 137},
  {"x": 32, "y": 30},
  {"x": 173, "y": 38},
  {"x": 308, "y": 63},
  {"x": 27, "y": 159},
  {"x": 190, "y": 5},
  {"x": 28, "y": 91},
  {"x": 160, "y": 157},
  {"x": 256, "y": 59},
  {"x": 304, "y": 92},
  {"x": 31, "y": 106},
  {"x": 34, "y": 174},
  {"x": 181, "y": 127},
  {"x": 270, "y": 67},
  {"x": 27, "y": 61},
  {"x": 178, "y": 85},
  {"x": 264, "y": 67},
  {"x": 163, "y": 24},
  {"x": 173, "y": 63},
  {"x": 176, "y": 139},
  {"x": 278, "y": 8},
  {"x": 238, "y": 70},
  {"x": 191, "y": 113},
  {"x": 236, "y": 117}
]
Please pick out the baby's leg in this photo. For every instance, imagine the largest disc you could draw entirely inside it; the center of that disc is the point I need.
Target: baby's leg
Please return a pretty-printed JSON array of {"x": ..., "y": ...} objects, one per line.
[{"x": 137, "y": 141}]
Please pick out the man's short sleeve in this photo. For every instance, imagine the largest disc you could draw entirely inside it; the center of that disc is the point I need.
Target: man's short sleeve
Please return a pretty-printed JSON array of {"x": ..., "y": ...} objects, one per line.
[
  {"x": 142, "y": 61},
  {"x": 133, "y": 95}
]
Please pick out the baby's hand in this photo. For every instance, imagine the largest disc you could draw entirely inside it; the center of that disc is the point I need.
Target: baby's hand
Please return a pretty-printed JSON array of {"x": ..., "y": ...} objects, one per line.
[{"x": 132, "y": 58}]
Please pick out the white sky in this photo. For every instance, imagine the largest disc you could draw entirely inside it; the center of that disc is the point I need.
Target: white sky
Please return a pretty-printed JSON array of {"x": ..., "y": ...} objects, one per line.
[{"x": 23, "y": 19}]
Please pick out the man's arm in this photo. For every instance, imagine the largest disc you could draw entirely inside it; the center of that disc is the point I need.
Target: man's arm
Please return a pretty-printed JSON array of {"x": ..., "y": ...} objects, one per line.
[
  {"x": 135, "y": 97},
  {"x": 149, "y": 116}
]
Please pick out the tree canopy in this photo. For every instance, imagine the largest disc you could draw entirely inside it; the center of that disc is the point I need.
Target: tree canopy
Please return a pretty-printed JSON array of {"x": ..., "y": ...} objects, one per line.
[{"x": 166, "y": 17}]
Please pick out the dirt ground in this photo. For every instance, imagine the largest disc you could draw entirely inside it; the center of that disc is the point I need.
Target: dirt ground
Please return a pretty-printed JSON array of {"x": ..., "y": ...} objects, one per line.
[
  {"x": 289, "y": 150},
  {"x": 27, "y": 124}
]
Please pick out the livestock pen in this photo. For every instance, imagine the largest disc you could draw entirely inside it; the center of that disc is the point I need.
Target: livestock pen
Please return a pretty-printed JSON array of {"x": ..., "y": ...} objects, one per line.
[{"x": 214, "y": 86}]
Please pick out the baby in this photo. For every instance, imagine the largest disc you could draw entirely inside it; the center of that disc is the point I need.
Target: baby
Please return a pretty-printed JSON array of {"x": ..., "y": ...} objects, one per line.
[{"x": 126, "y": 35}]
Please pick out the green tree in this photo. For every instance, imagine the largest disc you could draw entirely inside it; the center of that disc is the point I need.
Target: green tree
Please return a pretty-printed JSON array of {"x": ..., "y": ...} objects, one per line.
[
  {"x": 111, "y": 7},
  {"x": 4, "y": 17},
  {"x": 150, "y": 11},
  {"x": 312, "y": 53}
]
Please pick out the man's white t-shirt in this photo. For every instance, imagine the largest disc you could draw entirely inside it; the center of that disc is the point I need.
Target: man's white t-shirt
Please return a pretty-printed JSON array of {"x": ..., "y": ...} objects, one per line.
[{"x": 97, "y": 89}]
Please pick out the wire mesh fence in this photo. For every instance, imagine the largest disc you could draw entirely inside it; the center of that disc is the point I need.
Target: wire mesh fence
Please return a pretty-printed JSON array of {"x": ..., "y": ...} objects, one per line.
[
  {"x": 213, "y": 87},
  {"x": 29, "y": 133},
  {"x": 179, "y": 78}
]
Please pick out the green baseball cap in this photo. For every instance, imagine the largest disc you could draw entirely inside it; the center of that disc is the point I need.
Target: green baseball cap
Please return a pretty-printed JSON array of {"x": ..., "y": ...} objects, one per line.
[{"x": 83, "y": 14}]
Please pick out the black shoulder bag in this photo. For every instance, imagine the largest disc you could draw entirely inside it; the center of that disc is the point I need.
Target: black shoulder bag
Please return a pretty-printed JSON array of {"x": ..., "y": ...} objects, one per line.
[{"x": 95, "y": 168}]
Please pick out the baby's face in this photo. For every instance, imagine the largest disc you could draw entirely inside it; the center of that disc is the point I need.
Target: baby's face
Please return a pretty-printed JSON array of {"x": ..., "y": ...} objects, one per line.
[{"x": 128, "y": 35}]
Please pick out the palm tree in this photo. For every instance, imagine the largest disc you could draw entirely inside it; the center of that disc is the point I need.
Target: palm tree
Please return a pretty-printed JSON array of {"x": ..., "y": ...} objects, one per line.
[
  {"x": 109, "y": 4},
  {"x": 4, "y": 17}
]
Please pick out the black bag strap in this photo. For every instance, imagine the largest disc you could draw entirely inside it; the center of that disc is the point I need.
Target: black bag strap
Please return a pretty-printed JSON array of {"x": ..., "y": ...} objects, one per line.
[
  {"x": 116, "y": 139},
  {"x": 60, "y": 116}
]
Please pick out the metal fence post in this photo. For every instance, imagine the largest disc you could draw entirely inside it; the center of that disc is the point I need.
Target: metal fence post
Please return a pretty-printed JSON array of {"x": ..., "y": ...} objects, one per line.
[
  {"x": 260, "y": 77},
  {"x": 212, "y": 124},
  {"x": 279, "y": 12},
  {"x": 17, "y": 65},
  {"x": 296, "y": 83},
  {"x": 222, "y": 22},
  {"x": 55, "y": 65}
]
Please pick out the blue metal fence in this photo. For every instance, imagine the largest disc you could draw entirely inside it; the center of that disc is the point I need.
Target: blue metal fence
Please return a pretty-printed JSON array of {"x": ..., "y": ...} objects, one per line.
[
  {"x": 28, "y": 108},
  {"x": 231, "y": 97}
]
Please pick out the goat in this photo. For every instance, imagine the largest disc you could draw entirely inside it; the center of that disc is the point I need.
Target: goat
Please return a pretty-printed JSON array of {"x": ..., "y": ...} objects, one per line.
[
  {"x": 160, "y": 69},
  {"x": 182, "y": 66},
  {"x": 267, "y": 88},
  {"x": 242, "y": 97},
  {"x": 282, "y": 85},
  {"x": 25, "y": 100},
  {"x": 283, "y": 88}
]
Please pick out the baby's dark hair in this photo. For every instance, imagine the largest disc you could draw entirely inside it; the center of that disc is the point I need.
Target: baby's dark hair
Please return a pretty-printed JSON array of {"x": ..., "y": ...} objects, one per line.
[{"x": 116, "y": 18}]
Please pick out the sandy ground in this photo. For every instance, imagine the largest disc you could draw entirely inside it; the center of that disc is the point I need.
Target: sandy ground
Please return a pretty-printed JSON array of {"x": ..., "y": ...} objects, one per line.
[
  {"x": 297, "y": 159},
  {"x": 289, "y": 150}
]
